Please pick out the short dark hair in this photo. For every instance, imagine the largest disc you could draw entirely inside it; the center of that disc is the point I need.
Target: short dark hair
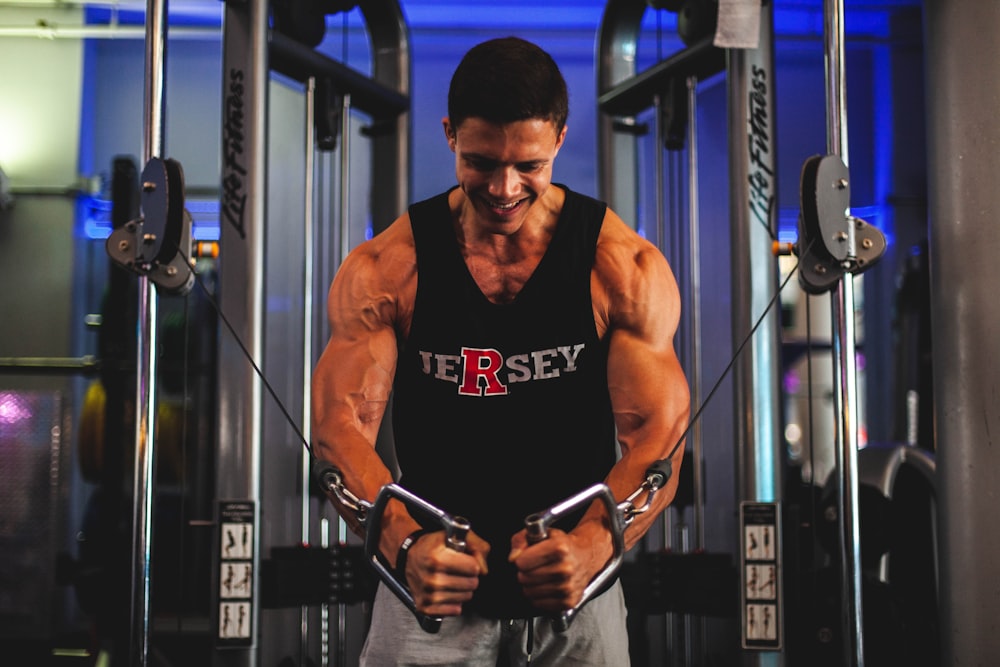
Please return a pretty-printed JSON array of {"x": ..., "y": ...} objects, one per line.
[{"x": 506, "y": 80}]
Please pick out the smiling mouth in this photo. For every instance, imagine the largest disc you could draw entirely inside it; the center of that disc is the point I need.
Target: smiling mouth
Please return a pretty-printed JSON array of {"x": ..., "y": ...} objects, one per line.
[{"x": 502, "y": 207}]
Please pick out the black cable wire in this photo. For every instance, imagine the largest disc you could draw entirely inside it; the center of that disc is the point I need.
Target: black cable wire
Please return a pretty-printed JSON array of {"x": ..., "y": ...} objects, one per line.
[
  {"x": 736, "y": 355},
  {"x": 249, "y": 357}
]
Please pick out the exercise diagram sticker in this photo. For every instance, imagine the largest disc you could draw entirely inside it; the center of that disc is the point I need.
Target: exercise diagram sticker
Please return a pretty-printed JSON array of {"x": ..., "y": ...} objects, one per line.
[
  {"x": 761, "y": 576},
  {"x": 235, "y": 589}
]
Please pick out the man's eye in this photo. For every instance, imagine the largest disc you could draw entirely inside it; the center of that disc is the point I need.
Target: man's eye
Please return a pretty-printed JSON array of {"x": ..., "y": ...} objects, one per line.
[{"x": 481, "y": 165}]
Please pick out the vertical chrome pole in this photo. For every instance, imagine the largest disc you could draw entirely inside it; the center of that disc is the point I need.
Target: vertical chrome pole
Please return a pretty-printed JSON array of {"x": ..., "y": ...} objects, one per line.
[
  {"x": 844, "y": 376},
  {"x": 694, "y": 307},
  {"x": 345, "y": 248},
  {"x": 145, "y": 402},
  {"x": 143, "y": 480},
  {"x": 307, "y": 327},
  {"x": 696, "y": 624}
]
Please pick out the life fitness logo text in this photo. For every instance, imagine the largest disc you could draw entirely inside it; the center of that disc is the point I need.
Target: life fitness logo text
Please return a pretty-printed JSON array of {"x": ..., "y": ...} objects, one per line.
[{"x": 485, "y": 371}]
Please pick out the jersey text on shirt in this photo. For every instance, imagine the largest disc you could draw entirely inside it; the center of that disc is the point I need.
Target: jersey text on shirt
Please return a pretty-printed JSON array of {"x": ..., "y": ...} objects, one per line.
[{"x": 485, "y": 371}]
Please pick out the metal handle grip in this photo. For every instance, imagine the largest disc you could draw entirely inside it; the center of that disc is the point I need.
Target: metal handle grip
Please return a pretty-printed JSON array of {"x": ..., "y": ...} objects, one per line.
[
  {"x": 456, "y": 529},
  {"x": 537, "y": 526}
]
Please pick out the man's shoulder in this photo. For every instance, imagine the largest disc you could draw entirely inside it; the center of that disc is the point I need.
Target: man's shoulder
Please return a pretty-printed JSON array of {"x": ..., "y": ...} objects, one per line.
[
  {"x": 387, "y": 252},
  {"x": 624, "y": 257},
  {"x": 619, "y": 234}
]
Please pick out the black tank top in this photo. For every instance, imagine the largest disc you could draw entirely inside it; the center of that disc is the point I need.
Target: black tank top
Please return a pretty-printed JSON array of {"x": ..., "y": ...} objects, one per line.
[{"x": 502, "y": 410}]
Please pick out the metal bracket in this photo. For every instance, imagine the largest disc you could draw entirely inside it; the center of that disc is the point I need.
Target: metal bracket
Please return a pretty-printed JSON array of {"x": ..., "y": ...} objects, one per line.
[
  {"x": 158, "y": 245},
  {"x": 831, "y": 241}
]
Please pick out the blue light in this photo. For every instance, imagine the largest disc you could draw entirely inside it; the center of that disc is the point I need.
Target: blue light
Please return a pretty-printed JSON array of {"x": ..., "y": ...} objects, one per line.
[
  {"x": 797, "y": 19},
  {"x": 96, "y": 215},
  {"x": 788, "y": 235}
]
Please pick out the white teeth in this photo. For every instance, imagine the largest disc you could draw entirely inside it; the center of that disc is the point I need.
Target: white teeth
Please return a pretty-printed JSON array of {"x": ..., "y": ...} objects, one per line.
[{"x": 503, "y": 207}]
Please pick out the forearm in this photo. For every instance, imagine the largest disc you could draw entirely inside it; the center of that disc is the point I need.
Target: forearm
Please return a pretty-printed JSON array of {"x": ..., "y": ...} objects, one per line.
[
  {"x": 624, "y": 479},
  {"x": 364, "y": 474},
  {"x": 634, "y": 474}
]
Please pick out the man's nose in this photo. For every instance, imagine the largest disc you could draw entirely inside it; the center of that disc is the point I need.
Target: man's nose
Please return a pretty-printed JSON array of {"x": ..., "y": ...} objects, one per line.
[{"x": 504, "y": 182}]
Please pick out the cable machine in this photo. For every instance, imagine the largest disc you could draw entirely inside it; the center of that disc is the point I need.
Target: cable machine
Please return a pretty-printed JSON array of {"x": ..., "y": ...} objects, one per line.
[
  {"x": 333, "y": 92},
  {"x": 157, "y": 246},
  {"x": 742, "y": 46}
]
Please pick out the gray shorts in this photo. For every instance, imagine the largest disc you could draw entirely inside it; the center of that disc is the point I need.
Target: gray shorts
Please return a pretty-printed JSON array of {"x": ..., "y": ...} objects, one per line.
[{"x": 596, "y": 637}]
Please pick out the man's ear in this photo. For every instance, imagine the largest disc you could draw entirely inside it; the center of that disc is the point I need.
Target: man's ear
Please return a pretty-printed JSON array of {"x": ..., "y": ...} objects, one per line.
[
  {"x": 449, "y": 133},
  {"x": 561, "y": 138}
]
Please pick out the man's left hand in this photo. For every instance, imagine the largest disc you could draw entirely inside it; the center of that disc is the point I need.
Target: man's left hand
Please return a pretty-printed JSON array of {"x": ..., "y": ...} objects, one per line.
[{"x": 554, "y": 572}]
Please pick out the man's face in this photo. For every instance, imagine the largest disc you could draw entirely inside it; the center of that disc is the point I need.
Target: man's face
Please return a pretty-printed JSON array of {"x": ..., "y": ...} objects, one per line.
[{"x": 503, "y": 169}]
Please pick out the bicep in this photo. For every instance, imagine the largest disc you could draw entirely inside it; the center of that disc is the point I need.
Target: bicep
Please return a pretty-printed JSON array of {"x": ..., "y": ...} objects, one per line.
[
  {"x": 353, "y": 378},
  {"x": 649, "y": 392},
  {"x": 352, "y": 382}
]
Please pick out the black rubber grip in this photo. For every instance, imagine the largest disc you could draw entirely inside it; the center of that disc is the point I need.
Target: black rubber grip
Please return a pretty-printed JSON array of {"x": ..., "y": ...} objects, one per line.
[
  {"x": 327, "y": 475},
  {"x": 659, "y": 473}
]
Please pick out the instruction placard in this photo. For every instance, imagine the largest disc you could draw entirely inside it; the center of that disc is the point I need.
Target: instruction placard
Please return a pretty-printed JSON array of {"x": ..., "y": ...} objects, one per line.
[
  {"x": 760, "y": 574},
  {"x": 235, "y": 592}
]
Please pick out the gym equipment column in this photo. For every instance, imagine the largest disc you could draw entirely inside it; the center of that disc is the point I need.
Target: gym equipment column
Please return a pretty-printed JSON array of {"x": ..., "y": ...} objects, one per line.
[
  {"x": 756, "y": 377},
  {"x": 145, "y": 400},
  {"x": 845, "y": 397},
  {"x": 962, "y": 89},
  {"x": 240, "y": 296}
]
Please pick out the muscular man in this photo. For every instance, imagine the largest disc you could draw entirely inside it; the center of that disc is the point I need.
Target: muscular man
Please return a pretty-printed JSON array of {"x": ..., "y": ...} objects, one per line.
[{"x": 523, "y": 330}]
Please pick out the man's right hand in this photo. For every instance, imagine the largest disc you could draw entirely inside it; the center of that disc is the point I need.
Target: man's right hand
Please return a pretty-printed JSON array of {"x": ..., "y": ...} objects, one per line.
[{"x": 441, "y": 579}]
